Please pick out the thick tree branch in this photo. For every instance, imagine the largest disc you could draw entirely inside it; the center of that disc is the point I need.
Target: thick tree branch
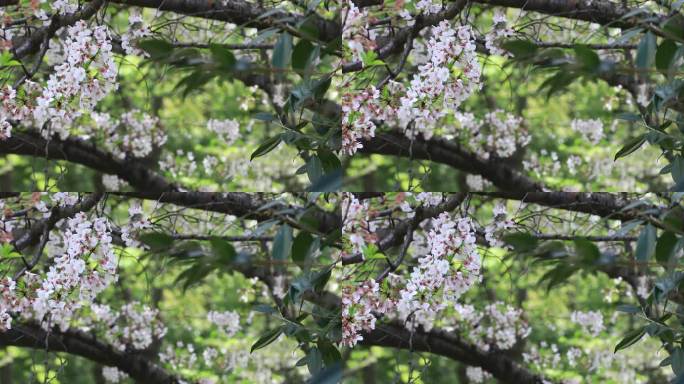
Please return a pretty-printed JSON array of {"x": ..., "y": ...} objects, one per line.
[
  {"x": 238, "y": 12},
  {"x": 244, "y": 205},
  {"x": 450, "y": 153},
  {"x": 77, "y": 151},
  {"x": 604, "y": 12},
  {"x": 81, "y": 344},
  {"x": 450, "y": 345},
  {"x": 608, "y": 205}
]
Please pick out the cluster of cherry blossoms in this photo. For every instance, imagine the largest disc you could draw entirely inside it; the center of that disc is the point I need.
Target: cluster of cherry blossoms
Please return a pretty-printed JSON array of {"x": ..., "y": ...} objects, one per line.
[
  {"x": 8, "y": 301},
  {"x": 447, "y": 75},
  {"x": 477, "y": 374},
  {"x": 355, "y": 33},
  {"x": 428, "y": 6},
  {"x": 448, "y": 266},
  {"x": 499, "y": 225},
  {"x": 359, "y": 109},
  {"x": 228, "y": 321},
  {"x": 498, "y": 325},
  {"x": 84, "y": 73},
  {"x": 591, "y": 130},
  {"x": 63, "y": 6},
  {"x": 441, "y": 84},
  {"x": 498, "y": 33},
  {"x": 591, "y": 321},
  {"x": 85, "y": 76},
  {"x": 113, "y": 375},
  {"x": 356, "y": 226},
  {"x": 358, "y": 305},
  {"x": 134, "y": 326},
  {"x": 137, "y": 31},
  {"x": 228, "y": 130},
  {"x": 84, "y": 264},
  {"x": 449, "y": 269},
  {"x": 498, "y": 133},
  {"x": 134, "y": 134}
]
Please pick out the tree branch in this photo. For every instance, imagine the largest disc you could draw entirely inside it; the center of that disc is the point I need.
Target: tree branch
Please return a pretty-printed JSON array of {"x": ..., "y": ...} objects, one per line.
[
  {"x": 80, "y": 152},
  {"x": 81, "y": 344},
  {"x": 250, "y": 206},
  {"x": 450, "y": 153},
  {"x": 238, "y": 12},
  {"x": 450, "y": 345}
]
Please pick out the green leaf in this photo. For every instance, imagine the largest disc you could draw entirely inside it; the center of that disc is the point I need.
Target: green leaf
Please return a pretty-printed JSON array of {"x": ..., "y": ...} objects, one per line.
[
  {"x": 666, "y": 52},
  {"x": 677, "y": 170},
  {"x": 628, "y": 308},
  {"x": 282, "y": 52},
  {"x": 627, "y": 116},
  {"x": 265, "y": 116},
  {"x": 330, "y": 375},
  {"x": 665, "y": 247},
  {"x": 156, "y": 240},
  {"x": 157, "y": 49},
  {"x": 222, "y": 56},
  {"x": 329, "y": 352},
  {"x": 646, "y": 243},
  {"x": 520, "y": 48},
  {"x": 194, "y": 81},
  {"x": 7, "y": 59},
  {"x": 303, "y": 55},
  {"x": 193, "y": 275},
  {"x": 587, "y": 57},
  {"x": 267, "y": 146},
  {"x": 587, "y": 250},
  {"x": 301, "y": 248},
  {"x": 266, "y": 339},
  {"x": 330, "y": 182},
  {"x": 558, "y": 275},
  {"x": 674, "y": 27},
  {"x": 282, "y": 244},
  {"x": 329, "y": 160},
  {"x": 630, "y": 146},
  {"x": 314, "y": 169},
  {"x": 557, "y": 82},
  {"x": 677, "y": 361},
  {"x": 521, "y": 241},
  {"x": 321, "y": 279},
  {"x": 630, "y": 338},
  {"x": 646, "y": 51},
  {"x": 370, "y": 59},
  {"x": 321, "y": 87},
  {"x": 314, "y": 361},
  {"x": 263, "y": 308},
  {"x": 223, "y": 250}
]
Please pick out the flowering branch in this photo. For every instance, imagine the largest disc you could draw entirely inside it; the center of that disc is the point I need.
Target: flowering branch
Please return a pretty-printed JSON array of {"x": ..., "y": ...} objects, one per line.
[
  {"x": 33, "y": 236},
  {"x": 33, "y": 43}
]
